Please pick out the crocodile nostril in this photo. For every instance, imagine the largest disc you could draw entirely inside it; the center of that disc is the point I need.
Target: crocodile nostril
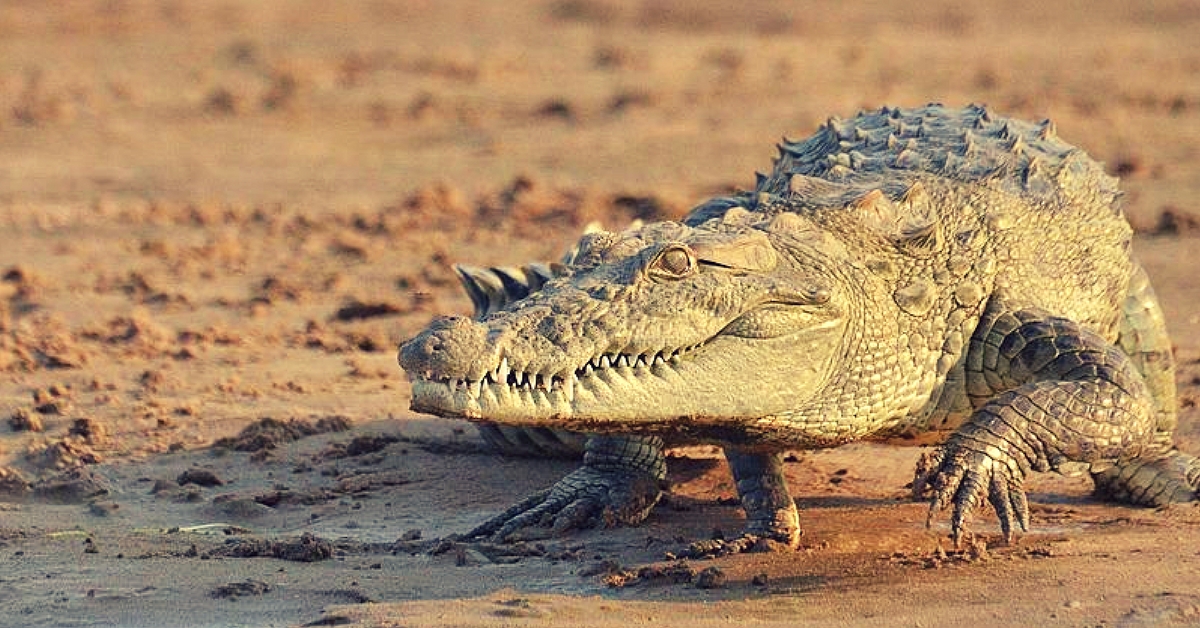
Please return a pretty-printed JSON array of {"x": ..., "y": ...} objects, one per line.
[
  {"x": 450, "y": 347},
  {"x": 449, "y": 322}
]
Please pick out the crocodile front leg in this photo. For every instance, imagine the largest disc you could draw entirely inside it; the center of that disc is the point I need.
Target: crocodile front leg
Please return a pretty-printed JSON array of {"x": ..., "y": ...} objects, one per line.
[
  {"x": 771, "y": 516},
  {"x": 770, "y": 509},
  {"x": 1047, "y": 392},
  {"x": 619, "y": 483}
]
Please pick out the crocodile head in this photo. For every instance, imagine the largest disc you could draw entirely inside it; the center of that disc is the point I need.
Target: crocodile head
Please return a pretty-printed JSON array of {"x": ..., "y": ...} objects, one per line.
[{"x": 731, "y": 320}]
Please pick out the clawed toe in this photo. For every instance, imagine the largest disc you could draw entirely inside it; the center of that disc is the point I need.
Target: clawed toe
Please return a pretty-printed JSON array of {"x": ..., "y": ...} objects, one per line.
[
  {"x": 585, "y": 498},
  {"x": 962, "y": 479}
]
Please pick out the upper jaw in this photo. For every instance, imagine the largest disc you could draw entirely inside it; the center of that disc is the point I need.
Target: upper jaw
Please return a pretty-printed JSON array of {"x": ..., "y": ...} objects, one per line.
[{"x": 535, "y": 393}]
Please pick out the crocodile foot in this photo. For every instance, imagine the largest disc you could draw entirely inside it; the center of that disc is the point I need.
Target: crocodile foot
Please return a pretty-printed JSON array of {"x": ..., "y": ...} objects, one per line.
[
  {"x": 585, "y": 498},
  {"x": 963, "y": 477}
]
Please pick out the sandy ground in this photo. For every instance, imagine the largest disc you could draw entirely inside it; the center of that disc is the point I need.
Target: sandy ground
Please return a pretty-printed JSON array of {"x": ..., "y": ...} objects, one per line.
[{"x": 221, "y": 215}]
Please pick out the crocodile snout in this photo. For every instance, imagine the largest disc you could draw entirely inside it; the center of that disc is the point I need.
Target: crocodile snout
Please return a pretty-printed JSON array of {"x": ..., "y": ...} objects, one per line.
[{"x": 450, "y": 348}]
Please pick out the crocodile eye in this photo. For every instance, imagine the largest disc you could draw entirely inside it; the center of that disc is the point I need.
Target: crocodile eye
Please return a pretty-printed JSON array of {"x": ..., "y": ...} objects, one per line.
[{"x": 673, "y": 262}]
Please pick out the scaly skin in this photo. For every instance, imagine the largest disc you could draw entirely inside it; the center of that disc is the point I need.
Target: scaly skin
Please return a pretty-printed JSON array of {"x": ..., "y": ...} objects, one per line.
[{"x": 926, "y": 275}]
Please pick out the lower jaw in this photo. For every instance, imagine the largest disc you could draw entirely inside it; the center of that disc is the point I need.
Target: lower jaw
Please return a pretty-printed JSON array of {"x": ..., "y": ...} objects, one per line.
[
  {"x": 677, "y": 432},
  {"x": 543, "y": 407}
]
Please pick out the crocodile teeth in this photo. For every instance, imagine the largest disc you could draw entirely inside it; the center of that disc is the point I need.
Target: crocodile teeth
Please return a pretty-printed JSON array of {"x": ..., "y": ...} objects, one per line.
[
  {"x": 503, "y": 370},
  {"x": 543, "y": 387}
]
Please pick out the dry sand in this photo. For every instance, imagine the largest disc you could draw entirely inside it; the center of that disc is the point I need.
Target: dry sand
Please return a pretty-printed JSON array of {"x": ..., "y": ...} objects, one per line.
[{"x": 218, "y": 215}]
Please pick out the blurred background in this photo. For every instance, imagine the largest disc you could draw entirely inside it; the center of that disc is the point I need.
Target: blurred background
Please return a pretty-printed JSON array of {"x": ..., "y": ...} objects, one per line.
[{"x": 335, "y": 105}]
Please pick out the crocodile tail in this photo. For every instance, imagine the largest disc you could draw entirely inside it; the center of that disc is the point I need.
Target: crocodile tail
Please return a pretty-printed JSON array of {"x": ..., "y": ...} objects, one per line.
[
  {"x": 1150, "y": 481},
  {"x": 1142, "y": 335}
]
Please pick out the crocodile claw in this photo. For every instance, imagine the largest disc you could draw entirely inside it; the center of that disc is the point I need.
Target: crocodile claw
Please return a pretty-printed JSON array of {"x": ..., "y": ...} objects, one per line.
[
  {"x": 962, "y": 477},
  {"x": 586, "y": 498}
]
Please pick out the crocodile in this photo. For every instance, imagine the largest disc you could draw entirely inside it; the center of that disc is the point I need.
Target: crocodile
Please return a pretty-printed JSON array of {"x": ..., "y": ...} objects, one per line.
[{"x": 931, "y": 276}]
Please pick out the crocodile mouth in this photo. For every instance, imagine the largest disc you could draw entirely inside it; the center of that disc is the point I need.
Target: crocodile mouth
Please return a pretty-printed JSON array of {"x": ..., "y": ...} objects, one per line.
[
  {"x": 508, "y": 386},
  {"x": 644, "y": 387}
]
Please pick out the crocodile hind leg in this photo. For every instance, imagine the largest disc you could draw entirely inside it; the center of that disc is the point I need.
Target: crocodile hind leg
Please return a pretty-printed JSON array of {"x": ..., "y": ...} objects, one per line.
[
  {"x": 1149, "y": 481},
  {"x": 1047, "y": 392}
]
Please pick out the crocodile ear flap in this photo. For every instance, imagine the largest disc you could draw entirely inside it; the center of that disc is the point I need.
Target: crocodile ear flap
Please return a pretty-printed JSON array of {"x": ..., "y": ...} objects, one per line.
[
  {"x": 909, "y": 223},
  {"x": 537, "y": 274},
  {"x": 484, "y": 287},
  {"x": 746, "y": 252},
  {"x": 492, "y": 289}
]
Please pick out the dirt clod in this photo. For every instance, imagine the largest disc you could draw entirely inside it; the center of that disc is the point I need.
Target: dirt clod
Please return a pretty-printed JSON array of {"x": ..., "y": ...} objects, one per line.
[
  {"x": 710, "y": 578},
  {"x": 76, "y": 485},
  {"x": 91, "y": 431},
  {"x": 25, "y": 421},
  {"x": 358, "y": 446},
  {"x": 246, "y": 588},
  {"x": 199, "y": 477},
  {"x": 1175, "y": 222},
  {"x": 13, "y": 482},
  {"x": 358, "y": 310},
  {"x": 306, "y": 549},
  {"x": 268, "y": 432}
]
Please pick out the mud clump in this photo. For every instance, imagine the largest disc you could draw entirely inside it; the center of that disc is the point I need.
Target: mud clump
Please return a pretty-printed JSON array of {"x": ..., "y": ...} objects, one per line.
[
  {"x": 357, "y": 310},
  {"x": 675, "y": 573},
  {"x": 24, "y": 421},
  {"x": 358, "y": 446},
  {"x": 308, "y": 548},
  {"x": 40, "y": 341},
  {"x": 269, "y": 433},
  {"x": 368, "y": 482},
  {"x": 12, "y": 482},
  {"x": 234, "y": 590},
  {"x": 72, "y": 486},
  {"x": 199, "y": 477},
  {"x": 320, "y": 337},
  {"x": 710, "y": 578},
  {"x": 132, "y": 336},
  {"x": 1176, "y": 222},
  {"x": 67, "y": 453},
  {"x": 976, "y": 550},
  {"x": 90, "y": 431}
]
